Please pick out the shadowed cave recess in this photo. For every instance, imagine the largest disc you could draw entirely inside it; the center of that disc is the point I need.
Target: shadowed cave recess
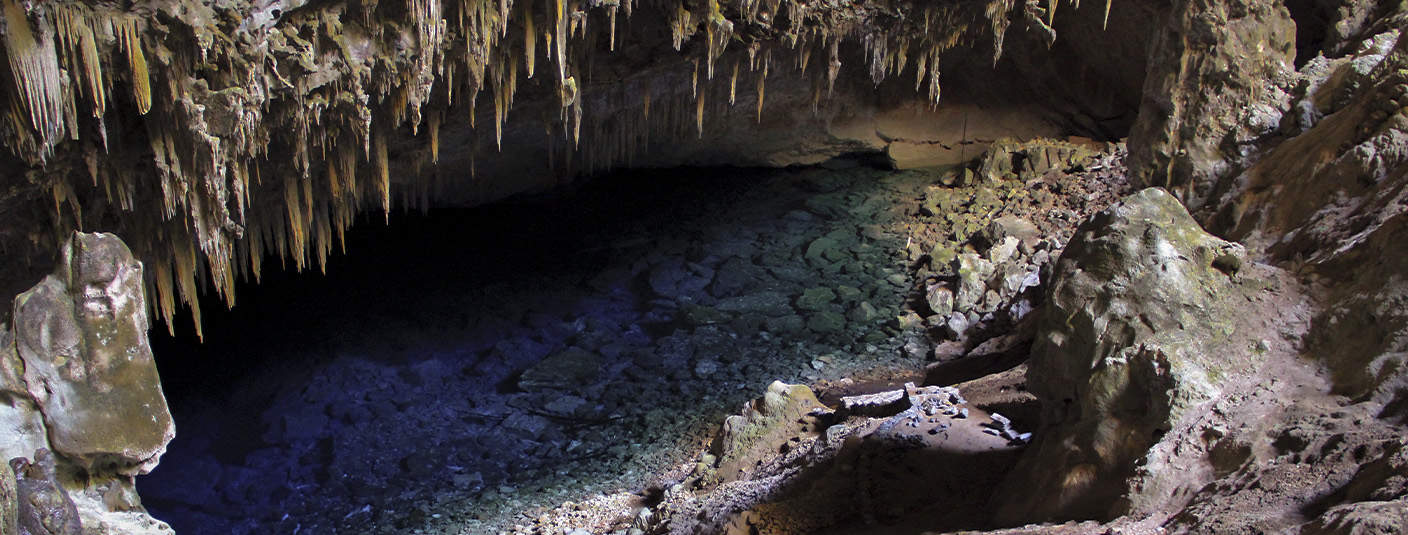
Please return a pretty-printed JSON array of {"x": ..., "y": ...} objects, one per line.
[{"x": 703, "y": 266}]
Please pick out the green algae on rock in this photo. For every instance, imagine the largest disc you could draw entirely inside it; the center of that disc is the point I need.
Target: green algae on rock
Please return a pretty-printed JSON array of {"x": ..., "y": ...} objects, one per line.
[{"x": 1140, "y": 326}]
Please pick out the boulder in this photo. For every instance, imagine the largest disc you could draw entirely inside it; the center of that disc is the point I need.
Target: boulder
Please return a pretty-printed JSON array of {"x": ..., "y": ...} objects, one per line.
[
  {"x": 82, "y": 336},
  {"x": 939, "y": 298},
  {"x": 44, "y": 505},
  {"x": 1139, "y": 327},
  {"x": 1030, "y": 159},
  {"x": 764, "y": 425},
  {"x": 813, "y": 299},
  {"x": 973, "y": 273},
  {"x": 21, "y": 424},
  {"x": 826, "y": 322}
]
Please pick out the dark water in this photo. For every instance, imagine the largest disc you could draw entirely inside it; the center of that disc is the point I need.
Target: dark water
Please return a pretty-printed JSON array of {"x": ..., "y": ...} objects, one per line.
[{"x": 389, "y": 394}]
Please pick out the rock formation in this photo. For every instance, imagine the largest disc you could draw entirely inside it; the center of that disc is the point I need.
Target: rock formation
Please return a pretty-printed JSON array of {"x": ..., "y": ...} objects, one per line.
[
  {"x": 1140, "y": 326},
  {"x": 78, "y": 376}
]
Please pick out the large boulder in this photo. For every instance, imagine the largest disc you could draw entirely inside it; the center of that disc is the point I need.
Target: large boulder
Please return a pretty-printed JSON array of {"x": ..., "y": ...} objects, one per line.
[
  {"x": 1140, "y": 327},
  {"x": 82, "y": 336}
]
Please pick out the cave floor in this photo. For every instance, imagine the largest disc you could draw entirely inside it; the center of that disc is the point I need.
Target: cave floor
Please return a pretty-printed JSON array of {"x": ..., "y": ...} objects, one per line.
[{"x": 466, "y": 370}]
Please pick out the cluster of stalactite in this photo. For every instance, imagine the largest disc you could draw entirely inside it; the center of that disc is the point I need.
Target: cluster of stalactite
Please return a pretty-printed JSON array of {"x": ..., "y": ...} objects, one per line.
[{"x": 270, "y": 129}]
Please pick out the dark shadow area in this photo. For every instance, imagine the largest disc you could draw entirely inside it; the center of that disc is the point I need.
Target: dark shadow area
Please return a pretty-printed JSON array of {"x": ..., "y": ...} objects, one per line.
[
  {"x": 462, "y": 361},
  {"x": 891, "y": 484},
  {"x": 1312, "y": 24}
]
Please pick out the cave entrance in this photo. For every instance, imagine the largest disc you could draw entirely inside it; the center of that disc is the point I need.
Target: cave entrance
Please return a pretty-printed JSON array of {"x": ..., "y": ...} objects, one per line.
[{"x": 462, "y": 363}]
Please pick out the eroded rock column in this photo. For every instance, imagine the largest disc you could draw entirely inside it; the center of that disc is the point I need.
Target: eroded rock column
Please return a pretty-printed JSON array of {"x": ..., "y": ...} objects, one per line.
[{"x": 77, "y": 377}]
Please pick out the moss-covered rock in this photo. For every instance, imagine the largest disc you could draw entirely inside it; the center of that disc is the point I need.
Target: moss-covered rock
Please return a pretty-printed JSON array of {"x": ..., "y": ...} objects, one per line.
[
  {"x": 764, "y": 425},
  {"x": 813, "y": 299},
  {"x": 1008, "y": 158},
  {"x": 1139, "y": 328}
]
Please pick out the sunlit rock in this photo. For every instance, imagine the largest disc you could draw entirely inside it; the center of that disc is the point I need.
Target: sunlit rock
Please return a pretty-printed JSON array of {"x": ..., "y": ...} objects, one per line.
[{"x": 1139, "y": 329}]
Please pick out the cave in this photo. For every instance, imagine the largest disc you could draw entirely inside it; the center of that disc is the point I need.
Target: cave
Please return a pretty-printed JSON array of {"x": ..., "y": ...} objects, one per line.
[{"x": 703, "y": 266}]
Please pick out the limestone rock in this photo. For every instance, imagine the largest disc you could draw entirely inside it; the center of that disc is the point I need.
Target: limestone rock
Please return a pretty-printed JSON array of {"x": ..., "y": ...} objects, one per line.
[
  {"x": 1137, "y": 329},
  {"x": 11, "y": 368},
  {"x": 21, "y": 424},
  {"x": 1211, "y": 89},
  {"x": 813, "y": 299},
  {"x": 44, "y": 505},
  {"x": 765, "y": 303},
  {"x": 939, "y": 298},
  {"x": 1011, "y": 226},
  {"x": 82, "y": 335},
  {"x": 764, "y": 425},
  {"x": 113, "y": 508},
  {"x": 1030, "y": 159},
  {"x": 9, "y": 500},
  {"x": 973, "y": 272},
  {"x": 1362, "y": 518}
]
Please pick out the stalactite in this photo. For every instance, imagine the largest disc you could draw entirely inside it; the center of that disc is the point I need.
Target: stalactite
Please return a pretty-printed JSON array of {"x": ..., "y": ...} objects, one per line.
[
  {"x": 210, "y": 184},
  {"x": 560, "y": 41},
  {"x": 136, "y": 62},
  {"x": 611, "y": 18},
  {"x": 81, "y": 48},
  {"x": 383, "y": 171},
  {"x": 833, "y": 66},
  {"x": 681, "y": 26},
  {"x": 38, "y": 91},
  {"x": 699, "y": 115},
  {"x": 761, "y": 79},
  {"x": 733, "y": 84},
  {"x": 998, "y": 13},
  {"x": 530, "y": 38},
  {"x": 434, "y": 126}
]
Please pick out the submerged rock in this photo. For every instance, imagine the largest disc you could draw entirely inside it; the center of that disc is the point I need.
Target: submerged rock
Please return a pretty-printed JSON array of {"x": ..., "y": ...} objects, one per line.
[{"x": 569, "y": 369}]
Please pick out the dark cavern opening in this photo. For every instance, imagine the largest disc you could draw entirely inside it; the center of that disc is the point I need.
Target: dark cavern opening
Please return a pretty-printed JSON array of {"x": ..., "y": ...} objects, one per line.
[{"x": 688, "y": 267}]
